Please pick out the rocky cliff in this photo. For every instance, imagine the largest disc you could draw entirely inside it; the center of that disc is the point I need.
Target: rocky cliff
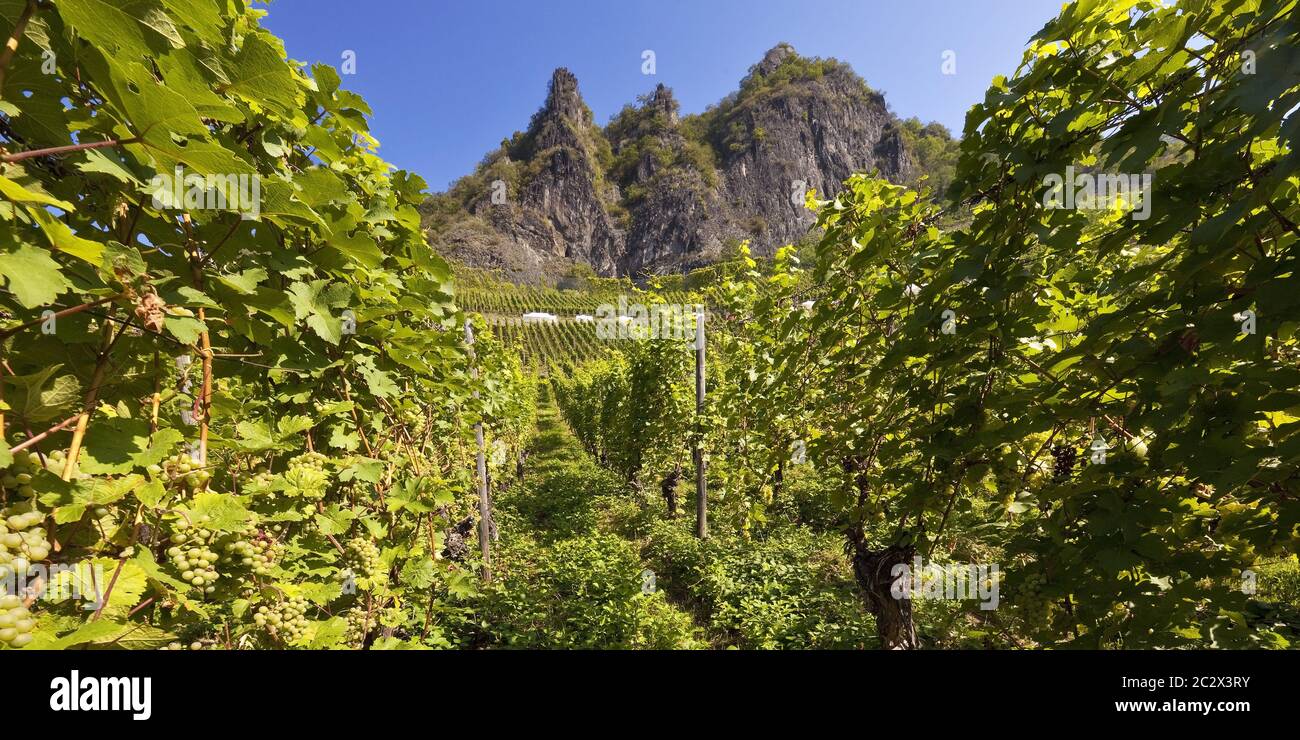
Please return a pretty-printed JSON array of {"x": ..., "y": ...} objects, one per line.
[{"x": 655, "y": 191}]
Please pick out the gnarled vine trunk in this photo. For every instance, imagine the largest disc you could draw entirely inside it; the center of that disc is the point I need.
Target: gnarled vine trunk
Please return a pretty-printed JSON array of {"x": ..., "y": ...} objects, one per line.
[
  {"x": 668, "y": 486},
  {"x": 873, "y": 570}
]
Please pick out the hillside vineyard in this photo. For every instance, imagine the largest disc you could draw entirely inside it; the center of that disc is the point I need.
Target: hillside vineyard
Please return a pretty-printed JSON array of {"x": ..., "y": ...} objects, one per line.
[{"x": 790, "y": 373}]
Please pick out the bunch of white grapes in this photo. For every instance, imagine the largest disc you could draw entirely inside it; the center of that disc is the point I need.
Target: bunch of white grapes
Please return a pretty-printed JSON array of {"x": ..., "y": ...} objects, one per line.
[
  {"x": 196, "y": 645},
  {"x": 258, "y": 553},
  {"x": 364, "y": 563},
  {"x": 413, "y": 416},
  {"x": 1035, "y": 607},
  {"x": 1007, "y": 480},
  {"x": 286, "y": 620},
  {"x": 185, "y": 471},
  {"x": 192, "y": 555},
  {"x": 16, "y": 623},
  {"x": 314, "y": 460},
  {"x": 359, "y": 623},
  {"x": 18, "y": 477},
  {"x": 260, "y": 480},
  {"x": 22, "y": 539},
  {"x": 308, "y": 472}
]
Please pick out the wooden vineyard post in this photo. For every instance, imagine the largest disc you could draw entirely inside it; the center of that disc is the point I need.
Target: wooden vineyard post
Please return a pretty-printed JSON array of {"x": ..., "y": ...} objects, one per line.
[
  {"x": 701, "y": 489},
  {"x": 484, "y": 503}
]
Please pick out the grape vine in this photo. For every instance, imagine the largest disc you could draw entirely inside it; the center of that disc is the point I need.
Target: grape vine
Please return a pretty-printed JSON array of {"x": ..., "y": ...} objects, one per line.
[{"x": 213, "y": 407}]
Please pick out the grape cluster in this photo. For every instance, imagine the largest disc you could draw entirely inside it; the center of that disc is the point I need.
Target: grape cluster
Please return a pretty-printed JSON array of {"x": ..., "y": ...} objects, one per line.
[
  {"x": 320, "y": 405},
  {"x": 413, "y": 416},
  {"x": 18, "y": 477},
  {"x": 362, "y": 563},
  {"x": 312, "y": 460},
  {"x": 1064, "y": 457},
  {"x": 261, "y": 479},
  {"x": 192, "y": 555},
  {"x": 359, "y": 624},
  {"x": 1006, "y": 479},
  {"x": 286, "y": 620},
  {"x": 16, "y": 623},
  {"x": 22, "y": 539},
  {"x": 259, "y": 553},
  {"x": 196, "y": 645},
  {"x": 1034, "y": 605},
  {"x": 308, "y": 472},
  {"x": 181, "y": 469}
]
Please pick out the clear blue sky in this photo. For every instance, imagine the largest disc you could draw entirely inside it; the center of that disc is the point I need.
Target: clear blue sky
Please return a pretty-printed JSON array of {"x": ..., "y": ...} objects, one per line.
[{"x": 448, "y": 79}]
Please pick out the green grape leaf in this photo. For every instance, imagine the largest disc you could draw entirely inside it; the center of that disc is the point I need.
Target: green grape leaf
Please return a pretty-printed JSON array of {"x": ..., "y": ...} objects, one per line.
[
  {"x": 121, "y": 27},
  {"x": 244, "y": 282},
  {"x": 315, "y": 302},
  {"x": 31, "y": 275},
  {"x": 89, "y": 632},
  {"x": 144, "y": 560},
  {"x": 254, "y": 436},
  {"x": 62, "y": 239},
  {"x": 365, "y": 469},
  {"x": 19, "y": 194},
  {"x": 38, "y": 399},
  {"x": 419, "y": 572},
  {"x": 262, "y": 77},
  {"x": 341, "y": 437},
  {"x": 117, "y": 445},
  {"x": 184, "y": 328},
  {"x": 379, "y": 383},
  {"x": 219, "y": 511},
  {"x": 335, "y": 519},
  {"x": 327, "y": 634}
]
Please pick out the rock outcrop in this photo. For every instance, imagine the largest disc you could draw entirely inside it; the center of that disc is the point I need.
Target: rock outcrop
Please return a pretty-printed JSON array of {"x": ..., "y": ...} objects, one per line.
[{"x": 655, "y": 191}]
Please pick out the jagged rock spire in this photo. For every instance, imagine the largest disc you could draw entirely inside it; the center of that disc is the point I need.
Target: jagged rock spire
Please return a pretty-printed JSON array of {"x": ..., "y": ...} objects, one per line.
[
  {"x": 563, "y": 98},
  {"x": 662, "y": 100},
  {"x": 562, "y": 118},
  {"x": 774, "y": 57}
]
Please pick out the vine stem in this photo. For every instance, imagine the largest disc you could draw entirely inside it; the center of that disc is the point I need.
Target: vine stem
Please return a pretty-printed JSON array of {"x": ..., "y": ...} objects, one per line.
[
  {"x": 206, "y": 394},
  {"x": 370, "y": 452},
  {"x": 399, "y": 426},
  {"x": 205, "y": 340},
  {"x": 92, "y": 394},
  {"x": 37, "y": 438},
  {"x": 943, "y": 522},
  {"x": 336, "y": 545},
  {"x": 68, "y": 149},
  {"x": 121, "y": 561},
  {"x": 108, "y": 591},
  {"x": 58, "y": 315},
  {"x": 156, "y": 401},
  {"x": 11, "y": 46},
  {"x": 142, "y": 605},
  {"x": 484, "y": 502},
  {"x": 428, "y": 616}
]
